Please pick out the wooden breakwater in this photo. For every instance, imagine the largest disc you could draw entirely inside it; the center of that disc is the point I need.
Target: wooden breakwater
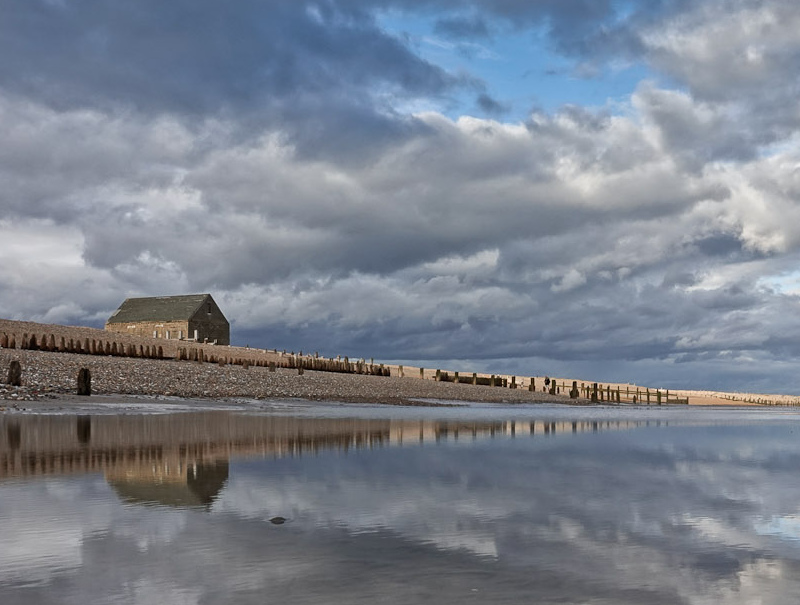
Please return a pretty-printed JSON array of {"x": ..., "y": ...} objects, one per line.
[{"x": 90, "y": 341}]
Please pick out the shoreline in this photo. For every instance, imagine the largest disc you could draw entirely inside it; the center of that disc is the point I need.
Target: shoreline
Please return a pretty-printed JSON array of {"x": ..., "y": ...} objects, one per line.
[{"x": 50, "y": 376}]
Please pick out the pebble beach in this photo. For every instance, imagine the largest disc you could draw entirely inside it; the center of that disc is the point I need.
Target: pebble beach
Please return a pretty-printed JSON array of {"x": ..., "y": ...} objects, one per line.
[{"x": 52, "y": 375}]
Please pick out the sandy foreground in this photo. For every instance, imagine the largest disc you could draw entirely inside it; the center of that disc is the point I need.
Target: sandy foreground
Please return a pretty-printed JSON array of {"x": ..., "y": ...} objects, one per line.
[{"x": 49, "y": 375}]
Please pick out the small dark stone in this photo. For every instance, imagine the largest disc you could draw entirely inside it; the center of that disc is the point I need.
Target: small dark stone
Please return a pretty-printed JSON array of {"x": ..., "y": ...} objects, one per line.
[{"x": 278, "y": 520}]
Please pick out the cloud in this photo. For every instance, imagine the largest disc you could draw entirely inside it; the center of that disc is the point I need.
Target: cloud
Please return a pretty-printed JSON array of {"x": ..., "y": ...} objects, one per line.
[
  {"x": 462, "y": 27},
  {"x": 270, "y": 157}
]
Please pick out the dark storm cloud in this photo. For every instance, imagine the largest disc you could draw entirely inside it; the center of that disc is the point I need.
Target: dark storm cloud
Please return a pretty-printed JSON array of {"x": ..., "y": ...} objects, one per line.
[
  {"x": 490, "y": 105},
  {"x": 196, "y": 57},
  {"x": 318, "y": 70}
]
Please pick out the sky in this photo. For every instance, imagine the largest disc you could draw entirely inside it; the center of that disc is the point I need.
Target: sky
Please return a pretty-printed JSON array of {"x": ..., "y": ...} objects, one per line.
[{"x": 586, "y": 188}]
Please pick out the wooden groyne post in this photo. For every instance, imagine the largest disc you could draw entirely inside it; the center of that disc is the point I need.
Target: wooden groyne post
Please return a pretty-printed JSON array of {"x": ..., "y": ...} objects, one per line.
[
  {"x": 84, "y": 382},
  {"x": 14, "y": 374}
]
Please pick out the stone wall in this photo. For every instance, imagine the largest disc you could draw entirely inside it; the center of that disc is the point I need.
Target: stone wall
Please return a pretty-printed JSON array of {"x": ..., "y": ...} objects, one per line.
[
  {"x": 172, "y": 330},
  {"x": 212, "y": 328}
]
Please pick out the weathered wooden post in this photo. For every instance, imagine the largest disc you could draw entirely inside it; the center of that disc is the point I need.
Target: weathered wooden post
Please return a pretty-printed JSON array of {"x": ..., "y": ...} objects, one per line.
[
  {"x": 648, "y": 396},
  {"x": 618, "y": 396},
  {"x": 513, "y": 384},
  {"x": 84, "y": 382},
  {"x": 573, "y": 394},
  {"x": 474, "y": 378},
  {"x": 594, "y": 393},
  {"x": 14, "y": 374},
  {"x": 422, "y": 372},
  {"x": 438, "y": 376},
  {"x": 401, "y": 372},
  {"x": 271, "y": 366},
  {"x": 455, "y": 377},
  {"x": 300, "y": 370},
  {"x": 491, "y": 381},
  {"x": 532, "y": 385},
  {"x": 658, "y": 396}
]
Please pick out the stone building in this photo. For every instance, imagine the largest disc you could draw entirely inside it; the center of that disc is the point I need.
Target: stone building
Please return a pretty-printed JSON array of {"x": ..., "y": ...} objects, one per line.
[{"x": 189, "y": 317}]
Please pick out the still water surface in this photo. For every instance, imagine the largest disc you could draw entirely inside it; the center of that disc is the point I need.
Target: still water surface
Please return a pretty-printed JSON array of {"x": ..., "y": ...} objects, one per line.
[{"x": 365, "y": 505}]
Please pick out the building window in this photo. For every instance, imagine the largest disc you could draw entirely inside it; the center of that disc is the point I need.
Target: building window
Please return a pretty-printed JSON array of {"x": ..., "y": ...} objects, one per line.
[
  {"x": 180, "y": 334},
  {"x": 155, "y": 333},
  {"x": 167, "y": 334}
]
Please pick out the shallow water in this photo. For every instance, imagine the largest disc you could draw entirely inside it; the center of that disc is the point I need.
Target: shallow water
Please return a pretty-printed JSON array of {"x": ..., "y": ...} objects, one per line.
[{"x": 367, "y": 504}]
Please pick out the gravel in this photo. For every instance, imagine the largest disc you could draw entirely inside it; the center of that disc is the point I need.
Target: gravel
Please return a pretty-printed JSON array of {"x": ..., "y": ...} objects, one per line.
[{"x": 51, "y": 374}]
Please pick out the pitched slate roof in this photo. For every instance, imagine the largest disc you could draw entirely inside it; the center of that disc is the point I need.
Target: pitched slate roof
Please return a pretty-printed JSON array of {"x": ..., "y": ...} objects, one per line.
[{"x": 158, "y": 308}]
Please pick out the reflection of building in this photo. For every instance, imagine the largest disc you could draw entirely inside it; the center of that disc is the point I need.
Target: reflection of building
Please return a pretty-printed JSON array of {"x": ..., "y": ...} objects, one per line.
[
  {"x": 182, "y": 459},
  {"x": 192, "y": 316},
  {"x": 194, "y": 485}
]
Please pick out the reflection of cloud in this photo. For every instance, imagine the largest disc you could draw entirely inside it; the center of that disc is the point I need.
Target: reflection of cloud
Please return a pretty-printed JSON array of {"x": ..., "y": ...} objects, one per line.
[
  {"x": 786, "y": 528},
  {"x": 43, "y": 527},
  {"x": 151, "y": 527},
  {"x": 615, "y": 517},
  {"x": 147, "y": 592},
  {"x": 34, "y": 552}
]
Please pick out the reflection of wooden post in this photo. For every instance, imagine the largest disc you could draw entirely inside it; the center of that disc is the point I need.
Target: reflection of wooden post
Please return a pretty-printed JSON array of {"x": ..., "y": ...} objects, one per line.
[
  {"x": 15, "y": 374},
  {"x": 84, "y": 429},
  {"x": 84, "y": 382}
]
